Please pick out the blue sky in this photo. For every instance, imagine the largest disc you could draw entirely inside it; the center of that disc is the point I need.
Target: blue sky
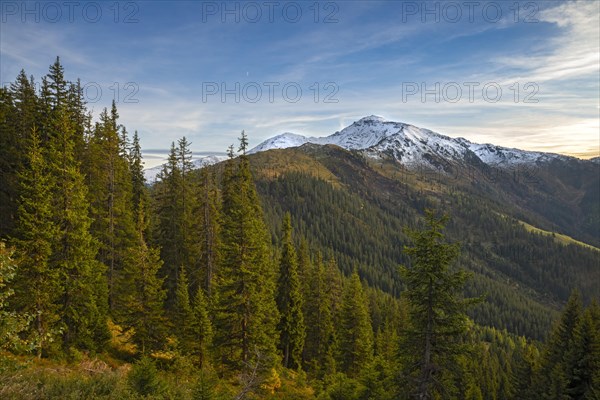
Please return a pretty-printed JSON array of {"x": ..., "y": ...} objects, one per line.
[{"x": 197, "y": 68}]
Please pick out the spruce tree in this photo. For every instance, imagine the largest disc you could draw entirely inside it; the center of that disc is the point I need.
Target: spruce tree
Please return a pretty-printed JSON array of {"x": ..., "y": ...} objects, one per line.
[
  {"x": 19, "y": 115},
  {"x": 583, "y": 358},
  {"x": 83, "y": 301},
  {"x": 290, "y": 301},
  {"x": 12, "y": 324},
  {"x": 187, "y": 201},
  {"x": 138, "y": 180},
  {"x": 206, "y": 231},
  {"x": 182, "y": 314},
  {"x": 320, "y": 336},
  {"x": 110, "y": 195},
  {"x": 438, "y": 322},
  {"x": 58, "y": 86},
  {"x": 524, "y": 366},
  {"x": 355, "y": 332},
  {"x": 552, "y": 380},
  {"x": 201, "y": 327},
  {"x": 141, "y": 306},
  {"x": 173, "y": 201},
  {"x": 38, "y": 284},
  {"x": 245, "y": 310}
]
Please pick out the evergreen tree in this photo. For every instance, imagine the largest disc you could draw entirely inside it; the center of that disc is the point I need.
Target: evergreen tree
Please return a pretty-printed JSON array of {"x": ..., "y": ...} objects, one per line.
[
  {"x": 245, "y": 310},
  {"x": 187, "y": 202},
  {"x": 437, "y": 312},
  {"x": 320, "y": 337},
  {"x": 12, "y": 323},
  {"x": 167, "y": 233},
  {"x": 183, "y": 315},
  {"x": 207, "y": 217},
  {"x": 18, "y": 117},
  {"x": 38, "y": 284},
  {"x": 202, "y": 332},
  {"x": 583, "y": 358},
  {"x": 290, "y": 302},
  {"x": 58, "y": 86},
  {"x": 110, "y": 195},
  {"x": 83, "y": 302},
  {"x": 138, "y": 180},
  {"x": 142, "y": 306},
  {"x": 525, "y": 358},
  {"x": 355, "y": 332},
  {"x": 304, "y": 269},
  {"x": 553, "y": 378}
]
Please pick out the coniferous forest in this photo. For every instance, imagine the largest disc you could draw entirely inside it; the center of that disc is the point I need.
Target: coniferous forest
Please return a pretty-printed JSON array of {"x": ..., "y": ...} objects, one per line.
[{"x": 230, "y": 282}]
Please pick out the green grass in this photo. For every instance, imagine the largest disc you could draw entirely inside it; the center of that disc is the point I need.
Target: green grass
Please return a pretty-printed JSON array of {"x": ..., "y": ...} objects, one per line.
[{"x": 558, "y": 237}]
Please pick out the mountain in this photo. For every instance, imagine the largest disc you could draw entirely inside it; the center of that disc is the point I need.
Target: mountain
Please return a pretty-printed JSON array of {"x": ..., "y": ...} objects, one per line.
[
  {"x": 202, "y": 161},
  {"x": 411, "y": 145},
  {"x": 529, "y": 235}
]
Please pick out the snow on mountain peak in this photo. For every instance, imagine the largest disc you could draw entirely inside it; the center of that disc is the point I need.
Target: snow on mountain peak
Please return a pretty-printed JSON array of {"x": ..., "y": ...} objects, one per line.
[
  {"x": 410, "y": 145},
  {"x": 281, "y": 141},
  {"x": 371, "y": 118}
]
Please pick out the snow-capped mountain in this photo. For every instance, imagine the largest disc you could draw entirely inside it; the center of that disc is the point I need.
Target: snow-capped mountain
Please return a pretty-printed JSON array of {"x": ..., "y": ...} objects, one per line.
[
  {"x": 282, "y": 141},
  {"x": 202, "y": 161},
  {"x": 409, "y": 144}
]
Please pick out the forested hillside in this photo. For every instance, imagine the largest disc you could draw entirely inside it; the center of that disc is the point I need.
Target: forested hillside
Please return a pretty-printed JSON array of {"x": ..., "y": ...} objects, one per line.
[
  {"x": 356, "y": 210},
  {"x": 308, "y": 273}
]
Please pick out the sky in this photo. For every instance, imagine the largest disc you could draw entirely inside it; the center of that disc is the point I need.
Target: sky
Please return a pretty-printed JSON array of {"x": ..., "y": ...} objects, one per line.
[{"x": 517, "y": 74}]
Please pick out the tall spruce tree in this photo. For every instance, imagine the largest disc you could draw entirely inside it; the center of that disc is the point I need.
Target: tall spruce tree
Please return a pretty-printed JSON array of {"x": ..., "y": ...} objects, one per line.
[
  {"x": 138, "y": 180},
  {"x": 553, "y": 377},
  {"x": 174, "y": 201},
  {"x": 245, "y": 310},
  {"x": 438, "y": 322},
  {"x": 188, "y": 200},
  {"x": 182, "y": 315},
  {"x": 110, "y": 195},
  {"x": 83, "y": 301},
  {"x": 290, "y": 301},
  {"x": 206, "y": 230},
  {"x": 201, "y": 328},
  {"x": 355, "y": 331},
  {"x": 583, "y": 358},
  {"x": 19, "y": 115},
  {"x": 12, "y": 324},
  {"x": 37, "y": 282},
  {"x": 320, "y": 336},
  {"x": 141, "y": 306}
]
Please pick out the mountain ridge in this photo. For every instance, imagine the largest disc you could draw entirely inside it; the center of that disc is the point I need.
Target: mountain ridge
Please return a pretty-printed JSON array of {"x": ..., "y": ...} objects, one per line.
[{"x": 410, "y": 145}]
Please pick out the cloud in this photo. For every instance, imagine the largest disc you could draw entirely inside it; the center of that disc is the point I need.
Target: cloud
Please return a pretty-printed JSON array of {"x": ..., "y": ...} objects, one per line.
[{"x": 575, "y": 53}]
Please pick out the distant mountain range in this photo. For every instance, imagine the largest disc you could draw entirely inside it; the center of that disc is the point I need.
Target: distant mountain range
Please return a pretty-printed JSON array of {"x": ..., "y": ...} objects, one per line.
[
  {"x": 410, "y": 145},
  {"x": 202, "y": 161},
  {"x": 377, "y": 138}
]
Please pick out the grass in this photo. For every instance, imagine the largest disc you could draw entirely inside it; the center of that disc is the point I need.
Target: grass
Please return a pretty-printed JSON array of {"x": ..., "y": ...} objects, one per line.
[
  {"x": 558, "y": 237},
  {"x": 275, "y": 163}
]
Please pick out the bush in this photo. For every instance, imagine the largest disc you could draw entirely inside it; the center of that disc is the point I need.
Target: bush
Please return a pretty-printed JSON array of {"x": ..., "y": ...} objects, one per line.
[{"x": 143, "y": 378}]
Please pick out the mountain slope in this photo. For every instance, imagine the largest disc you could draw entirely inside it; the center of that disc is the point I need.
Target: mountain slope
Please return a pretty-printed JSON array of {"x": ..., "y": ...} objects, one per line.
[
  {"x": 559, "y": 192},
  {"x": 355, "y": 209}
]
